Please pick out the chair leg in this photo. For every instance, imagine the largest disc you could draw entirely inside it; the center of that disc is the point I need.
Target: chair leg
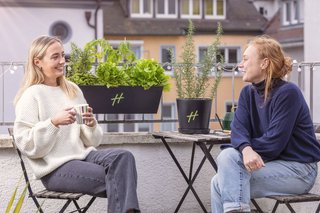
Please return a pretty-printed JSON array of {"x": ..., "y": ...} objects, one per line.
[
  {"x": 39, "y": 209},
  {"x": 88, "y": 205},
  {"x": 290, "y": 207},
  {"x": 318, "y": 209},
  {"x": 256, "y": 205},
  {"x": 65, "y": 206},
  {"x": 77, "y": 206},
  {"x": 275, "y": 207}
]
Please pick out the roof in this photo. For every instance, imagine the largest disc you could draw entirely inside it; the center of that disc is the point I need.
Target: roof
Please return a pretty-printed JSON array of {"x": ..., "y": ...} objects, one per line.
[
  {"x": 53, "y": 3},
  {"x": 242, "y": 17},
  {"x": 284, "y": 34}
]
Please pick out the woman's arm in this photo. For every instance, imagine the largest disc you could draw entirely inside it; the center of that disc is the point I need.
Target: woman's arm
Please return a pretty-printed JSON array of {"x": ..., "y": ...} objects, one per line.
[
  {"x": 286, "y": 107},
  {"x": 33, "y": 137}
]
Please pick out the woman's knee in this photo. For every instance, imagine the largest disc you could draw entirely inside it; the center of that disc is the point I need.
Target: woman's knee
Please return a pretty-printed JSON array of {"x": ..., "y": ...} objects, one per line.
[
  {"x": 126, "y": 154},
  {"x": 228, "y": 155},
  {"x": 214, "y": 180}
]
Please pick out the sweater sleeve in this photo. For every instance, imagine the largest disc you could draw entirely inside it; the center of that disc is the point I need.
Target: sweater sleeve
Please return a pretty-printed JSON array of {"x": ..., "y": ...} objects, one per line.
[
  {"x": 285, "y": 111},
  {"x": 33, "y": 137},
  {"x": 91, "y": 136},
  {"x": 241, "y": 125}
]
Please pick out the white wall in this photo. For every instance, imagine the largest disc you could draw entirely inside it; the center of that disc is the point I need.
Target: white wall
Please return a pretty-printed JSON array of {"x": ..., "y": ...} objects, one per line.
[
  {"x": 312, "y": 47},
  {"x": 19, "y": 26}
]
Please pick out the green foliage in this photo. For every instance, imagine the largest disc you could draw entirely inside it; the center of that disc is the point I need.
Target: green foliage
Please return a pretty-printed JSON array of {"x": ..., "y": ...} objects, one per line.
[
  {"x": 82, "y": 78},
  {"x": 20, "y": 200},
  {"x": 148, "y": 73},
  {"x": 115, "y": 67},
  {"x": 80, "y": 60},
  {"x": 111, "y": 75},
  {"x": 192, "y": 81}
]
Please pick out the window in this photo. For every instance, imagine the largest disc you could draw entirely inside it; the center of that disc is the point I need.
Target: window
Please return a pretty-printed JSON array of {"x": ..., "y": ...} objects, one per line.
[
  {"x": 166, "y": 56},
  {"x": 129, "y": 127},
  {"x": 62, "y": 30},
  {"x": 261, "y": 10},
  {"x": 144, "y": 127},
  {"x": 168, "y": 112},
  {"x": 166, "y": 8},
  {"x": 141, "y": 8},
  {"x": 215, "y": 9},
  {"x": 113, "y": 127},
  {"x": 231, "y": 55},
  {"x": 292, "y": 12},
  {"x": 135, "y": 45},
  {"x": 191, "y": 8}
]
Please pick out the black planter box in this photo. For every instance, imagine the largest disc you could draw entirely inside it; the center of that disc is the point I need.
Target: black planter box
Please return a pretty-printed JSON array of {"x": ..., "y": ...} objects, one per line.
[
  {"x": 194, "y": 115},
  {"x": 123, "y": 99}
]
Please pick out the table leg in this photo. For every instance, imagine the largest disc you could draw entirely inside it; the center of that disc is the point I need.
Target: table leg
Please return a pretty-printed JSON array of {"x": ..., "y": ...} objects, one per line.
[
  {"x": 189, "y": 180},
  {"x": 207, "y": 153}
]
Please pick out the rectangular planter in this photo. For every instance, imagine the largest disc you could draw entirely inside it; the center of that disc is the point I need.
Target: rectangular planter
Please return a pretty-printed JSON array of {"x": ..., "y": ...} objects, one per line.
[{"x": 123, "y": 99}]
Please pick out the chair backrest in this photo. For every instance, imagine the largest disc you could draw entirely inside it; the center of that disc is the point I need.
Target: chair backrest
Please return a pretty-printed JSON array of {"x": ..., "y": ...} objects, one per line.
[{"x": 23, "y": 167}]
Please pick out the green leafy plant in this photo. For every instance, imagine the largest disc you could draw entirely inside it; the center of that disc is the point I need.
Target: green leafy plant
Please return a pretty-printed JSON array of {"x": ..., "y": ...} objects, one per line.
[
  {"x": 20, "y": 200},
  {"x": 148, "y": 73},
  {"x": 193, "y": 80},
  {"x": 80, "y": 65},
  {"x": 115, "y": 67}
]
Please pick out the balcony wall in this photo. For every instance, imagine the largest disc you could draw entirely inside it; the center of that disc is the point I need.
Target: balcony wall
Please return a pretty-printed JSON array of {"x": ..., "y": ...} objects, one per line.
[{"x": 160, "y": 184}]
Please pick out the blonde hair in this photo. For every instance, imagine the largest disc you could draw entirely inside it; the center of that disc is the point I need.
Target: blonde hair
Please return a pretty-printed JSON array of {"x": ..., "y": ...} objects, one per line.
[
  {"x": 33, "y": 74},
  {"x": 279, "y": 65}
]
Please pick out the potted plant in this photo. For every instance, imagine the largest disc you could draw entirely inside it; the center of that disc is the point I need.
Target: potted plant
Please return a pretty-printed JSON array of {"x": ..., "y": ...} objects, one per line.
[
  {"x": 121, "y": 83},
  {"x": 194, "y": 89}
]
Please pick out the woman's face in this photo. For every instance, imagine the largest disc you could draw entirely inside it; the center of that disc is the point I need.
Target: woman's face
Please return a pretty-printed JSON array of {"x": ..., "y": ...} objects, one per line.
[
  {"x": 251, "y": 66},
  {"x": 52, "y": 63}
]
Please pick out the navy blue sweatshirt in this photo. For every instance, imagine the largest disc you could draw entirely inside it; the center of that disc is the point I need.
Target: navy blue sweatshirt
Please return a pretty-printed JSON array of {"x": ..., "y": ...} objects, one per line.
[{"x": 278, "y": 129}]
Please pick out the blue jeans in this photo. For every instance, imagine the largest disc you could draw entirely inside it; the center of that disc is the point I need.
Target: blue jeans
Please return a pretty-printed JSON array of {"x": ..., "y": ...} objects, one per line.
[
  {"x": 105, "y": 172},
  {"x": 233, "y": 186}
]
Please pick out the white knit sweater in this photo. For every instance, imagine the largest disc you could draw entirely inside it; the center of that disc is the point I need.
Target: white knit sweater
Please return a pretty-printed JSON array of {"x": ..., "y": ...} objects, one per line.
[{"x": 47, "y": 146}]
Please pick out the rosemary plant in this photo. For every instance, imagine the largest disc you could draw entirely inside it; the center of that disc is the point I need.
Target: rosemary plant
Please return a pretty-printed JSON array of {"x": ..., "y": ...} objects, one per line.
[{"x": 192, "y": 80}]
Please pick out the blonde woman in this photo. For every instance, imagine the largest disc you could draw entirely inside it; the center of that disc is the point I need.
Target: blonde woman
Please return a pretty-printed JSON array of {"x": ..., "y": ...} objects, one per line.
[
  {"x": 274, "y": 149},
  {"x": 61, "y": 152}
]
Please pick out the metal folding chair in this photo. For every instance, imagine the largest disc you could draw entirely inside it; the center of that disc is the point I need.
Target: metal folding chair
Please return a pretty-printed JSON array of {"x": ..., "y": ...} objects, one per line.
[
  {"x": 289, "y": 199},
  {"x": 46, "y": 194}
]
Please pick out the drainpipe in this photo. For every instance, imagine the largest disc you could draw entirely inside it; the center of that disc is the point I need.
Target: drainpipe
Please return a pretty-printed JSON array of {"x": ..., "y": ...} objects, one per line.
[{"x": 88, "y": 17}]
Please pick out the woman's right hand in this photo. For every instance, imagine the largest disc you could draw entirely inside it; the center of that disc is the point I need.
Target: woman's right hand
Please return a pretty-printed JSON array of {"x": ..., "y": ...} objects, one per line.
[
  {"x": 251, "y": 159},
  {"x": 64, "y": 117}
]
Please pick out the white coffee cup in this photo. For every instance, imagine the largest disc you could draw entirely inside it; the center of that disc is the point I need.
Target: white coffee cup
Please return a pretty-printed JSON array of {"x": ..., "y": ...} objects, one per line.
[{"x": 80, "y": 109}]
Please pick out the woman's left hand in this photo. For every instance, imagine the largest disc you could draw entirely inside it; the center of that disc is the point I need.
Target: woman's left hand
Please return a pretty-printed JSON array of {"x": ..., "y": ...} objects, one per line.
[
  {"x": 89, "y": 118},
  {"x": 251, "y": 159}
]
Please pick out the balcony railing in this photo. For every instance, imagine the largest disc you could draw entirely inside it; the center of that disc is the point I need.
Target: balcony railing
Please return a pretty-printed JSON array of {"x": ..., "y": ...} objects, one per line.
[{"x": 11, "y": 73}]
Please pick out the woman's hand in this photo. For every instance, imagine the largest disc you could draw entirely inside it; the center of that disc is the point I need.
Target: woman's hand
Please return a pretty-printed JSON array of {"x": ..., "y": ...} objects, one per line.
[
  {"x": 64, "y": 117},
  {"x": 88, "y": 118},
  {"x": 251, "y": 159}
]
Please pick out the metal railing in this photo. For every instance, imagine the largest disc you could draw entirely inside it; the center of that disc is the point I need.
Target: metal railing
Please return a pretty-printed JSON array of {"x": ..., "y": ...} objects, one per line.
[
  {"x": 302, "y": 79},
  {"x": 11, "y": 67}
]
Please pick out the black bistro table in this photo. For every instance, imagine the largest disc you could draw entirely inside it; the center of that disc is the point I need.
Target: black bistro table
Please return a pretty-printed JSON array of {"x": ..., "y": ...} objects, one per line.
[{"x": 205, "y": 142}]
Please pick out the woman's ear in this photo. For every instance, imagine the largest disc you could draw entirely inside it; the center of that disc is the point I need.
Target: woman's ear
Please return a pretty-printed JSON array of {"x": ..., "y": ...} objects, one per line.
[
  {"x": 264, "y": 63},
  {"x": 36, "y": 62}
]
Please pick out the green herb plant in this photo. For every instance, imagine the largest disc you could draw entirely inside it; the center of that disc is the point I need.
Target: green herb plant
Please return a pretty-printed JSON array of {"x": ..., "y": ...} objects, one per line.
[
  {"x": 114, "y": 67},
  {"x": 193, "y": 80}
]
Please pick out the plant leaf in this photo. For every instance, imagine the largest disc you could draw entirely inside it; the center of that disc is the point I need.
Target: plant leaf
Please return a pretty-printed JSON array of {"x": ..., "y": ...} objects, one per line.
[
  {"x": 21, "y": 199},
  {"x": 11, "y": 200}
]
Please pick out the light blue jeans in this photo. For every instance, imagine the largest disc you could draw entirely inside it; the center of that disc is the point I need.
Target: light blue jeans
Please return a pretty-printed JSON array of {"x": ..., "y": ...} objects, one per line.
[{"x": 233, "y": 186}]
